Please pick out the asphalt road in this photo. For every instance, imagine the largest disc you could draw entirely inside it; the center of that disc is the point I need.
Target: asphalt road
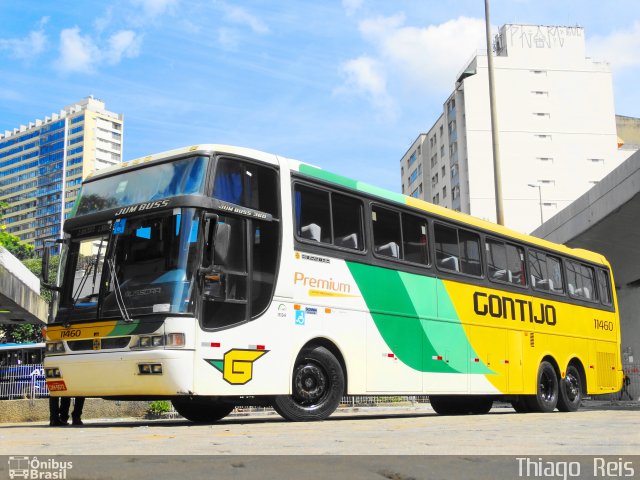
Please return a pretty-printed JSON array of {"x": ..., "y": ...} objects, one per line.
[
  {"x": 365, "y": 431},
  {"x": 395, "y": 444}
]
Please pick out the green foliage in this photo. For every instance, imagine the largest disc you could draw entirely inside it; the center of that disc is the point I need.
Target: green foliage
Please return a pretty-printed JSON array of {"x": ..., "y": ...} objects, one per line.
[
  {"x": 12, "y": 243},
  {"x": 35, "y": 266},
  {"x": 19, "y": 249},
  {"x": 159, "y": 407},
  {"x": 21, "y": 333}
]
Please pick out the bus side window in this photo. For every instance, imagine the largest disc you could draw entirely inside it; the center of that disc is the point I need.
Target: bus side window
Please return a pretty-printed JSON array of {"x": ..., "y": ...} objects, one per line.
[
  {"x": 546, "y": 272},
  {"x": 386, "y": 232},
  {"x": 447, "y": 251},
  {"x": 414, "y": 239},
  {"x": 347, "y": 221},
  {"x": 312, "y": 213},
  {"x": 604, "y": 287}
]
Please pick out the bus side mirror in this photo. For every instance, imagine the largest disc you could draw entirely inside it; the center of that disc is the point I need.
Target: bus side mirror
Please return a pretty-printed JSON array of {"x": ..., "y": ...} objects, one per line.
[
  {"x": 210, "y": 227},
  {"x": 44, "y": 271}
]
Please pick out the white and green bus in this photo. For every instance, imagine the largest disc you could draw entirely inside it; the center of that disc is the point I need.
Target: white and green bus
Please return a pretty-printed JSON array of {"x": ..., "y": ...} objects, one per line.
[{"x": 218, "y": 276}]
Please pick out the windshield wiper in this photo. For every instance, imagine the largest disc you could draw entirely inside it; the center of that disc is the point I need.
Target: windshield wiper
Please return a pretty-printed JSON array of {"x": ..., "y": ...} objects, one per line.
[{"x": 117, "y": 291}]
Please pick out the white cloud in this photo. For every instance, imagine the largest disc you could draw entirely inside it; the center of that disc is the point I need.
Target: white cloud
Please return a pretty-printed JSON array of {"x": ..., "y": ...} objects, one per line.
[
  {"x": 77, "y": 53},
  {"x": 29, "y": 47},
  {"x": 228, "y": 39},
  {"x": 619, "y": 48},
  {"x": 241, "y": 16},
  {"x": 155, "y": 8},
  {"x": 352, "y": 6},
  {"x": 80, "y": 53},
  {"x": 412, "y": 59},
  {"x": 365, "y": 76},
  {"x": 122, "y": 44},
  {"x": 428, "y": 57}
]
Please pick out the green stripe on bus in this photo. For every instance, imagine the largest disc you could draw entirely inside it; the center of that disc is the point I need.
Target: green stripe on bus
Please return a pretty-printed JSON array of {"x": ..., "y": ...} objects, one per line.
[
  {"x": 391, "y": 304},
  {"x": 349, "y": 183}
]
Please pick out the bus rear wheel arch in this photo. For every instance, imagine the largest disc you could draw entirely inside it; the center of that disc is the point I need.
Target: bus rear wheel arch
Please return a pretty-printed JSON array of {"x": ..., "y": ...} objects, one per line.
[{"x": 318, "y": 384}]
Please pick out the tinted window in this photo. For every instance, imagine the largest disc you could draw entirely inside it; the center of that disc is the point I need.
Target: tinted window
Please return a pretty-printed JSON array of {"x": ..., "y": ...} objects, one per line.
[
  {"x": 328, "y": 217},
  {"x": 387, "y": 238},
  {"x": 414, "y": 239},
  {"x": 347, "y": 221},
  {"x": 546, "y": 272},
  {"x": 457, "y": 250},
  {"x": 151, "y": 183},
  {"x": 604, "y": 287},
  {"x": 581, "y": 281},
  {"x": 505, "y": 262},
  {"x": 313, "y": 214},
  {"x": 246, "y": 184}
]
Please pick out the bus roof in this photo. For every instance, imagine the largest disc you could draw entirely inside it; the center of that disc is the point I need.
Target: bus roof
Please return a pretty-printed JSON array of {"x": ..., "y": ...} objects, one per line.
[
  {"x": 193, "y": 149},
  {"x": 321, "y": 174}
]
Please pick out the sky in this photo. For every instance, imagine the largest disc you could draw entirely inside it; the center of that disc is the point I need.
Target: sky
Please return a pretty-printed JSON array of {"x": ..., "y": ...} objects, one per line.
[{"x": 346, "y": 85}]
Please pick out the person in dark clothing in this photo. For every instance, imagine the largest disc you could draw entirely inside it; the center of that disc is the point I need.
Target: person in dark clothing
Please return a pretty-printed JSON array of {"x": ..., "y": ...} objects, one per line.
[{"x": 59, "y": 411}]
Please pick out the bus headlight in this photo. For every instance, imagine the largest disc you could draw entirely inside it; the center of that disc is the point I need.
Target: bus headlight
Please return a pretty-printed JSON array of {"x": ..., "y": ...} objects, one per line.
[
  {"x": 52, "y": 373},
  {"x": 55, "y": 347}
]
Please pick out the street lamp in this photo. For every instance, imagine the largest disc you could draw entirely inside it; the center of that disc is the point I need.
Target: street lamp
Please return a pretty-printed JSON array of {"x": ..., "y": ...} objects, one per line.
[{"x": 539, "y": 198}]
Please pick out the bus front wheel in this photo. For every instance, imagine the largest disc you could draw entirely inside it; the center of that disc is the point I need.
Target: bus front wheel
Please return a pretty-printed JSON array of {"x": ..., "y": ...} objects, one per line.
[
  {"x": 570, "y": 390},
  {"x": 546, "y": 397},
  {"x": 201, "y": 410},
  {"x": 317, "y": 387}
]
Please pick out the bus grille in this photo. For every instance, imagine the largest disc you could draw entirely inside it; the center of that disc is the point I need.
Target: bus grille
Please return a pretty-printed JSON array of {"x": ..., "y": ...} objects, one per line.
[
  {"x": 606, "y": 369},
  {"x": 107, "y": 343}
]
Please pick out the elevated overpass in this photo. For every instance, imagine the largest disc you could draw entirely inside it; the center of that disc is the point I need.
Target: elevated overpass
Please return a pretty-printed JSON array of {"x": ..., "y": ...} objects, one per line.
[
  {"x": 606, "y": 219},
  {"x": 20, "y": 300}
]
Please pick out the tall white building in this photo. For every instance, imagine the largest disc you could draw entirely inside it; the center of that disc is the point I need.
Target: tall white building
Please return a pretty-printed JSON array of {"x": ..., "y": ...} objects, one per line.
[{"x": 557, "y": 130}]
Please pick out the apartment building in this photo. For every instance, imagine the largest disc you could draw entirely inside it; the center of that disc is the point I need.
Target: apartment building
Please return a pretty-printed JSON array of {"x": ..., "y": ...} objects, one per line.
[
  {"x": 557, "y": 130},
  {"x": 42, "y": 165}
]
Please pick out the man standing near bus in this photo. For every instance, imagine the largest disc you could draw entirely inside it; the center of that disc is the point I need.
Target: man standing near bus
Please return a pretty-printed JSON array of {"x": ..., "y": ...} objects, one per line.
[{"x": 59, "y": 411}]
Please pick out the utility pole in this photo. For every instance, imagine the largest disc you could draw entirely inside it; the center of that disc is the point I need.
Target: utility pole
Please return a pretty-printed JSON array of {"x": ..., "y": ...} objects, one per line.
[
  {"x": 497, "y": 171},
  {"x": 539, "y": 199}
]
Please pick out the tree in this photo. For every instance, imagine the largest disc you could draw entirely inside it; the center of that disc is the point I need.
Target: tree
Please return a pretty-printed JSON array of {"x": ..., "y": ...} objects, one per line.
[
  {"x": 12, "y": 243},
  {"x": 21, "y": 333}
]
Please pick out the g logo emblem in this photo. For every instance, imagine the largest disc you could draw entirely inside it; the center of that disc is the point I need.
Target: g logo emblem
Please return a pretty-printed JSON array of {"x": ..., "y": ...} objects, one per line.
[{"x": 237, "y": 365}]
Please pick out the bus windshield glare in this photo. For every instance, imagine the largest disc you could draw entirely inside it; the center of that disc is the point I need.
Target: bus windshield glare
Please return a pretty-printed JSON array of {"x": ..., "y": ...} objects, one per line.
[
  {"x": 145, "y": 266},
  {"x": 154, "y": 182}
]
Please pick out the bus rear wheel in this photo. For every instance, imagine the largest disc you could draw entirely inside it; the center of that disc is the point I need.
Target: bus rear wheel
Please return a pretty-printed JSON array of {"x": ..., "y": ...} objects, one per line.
[
  {"x": 570, "y": 390},
  {"x": 317, "y": 387},
  {"x": 546, "y": 397},
  {"x": 201, "y": 410}
]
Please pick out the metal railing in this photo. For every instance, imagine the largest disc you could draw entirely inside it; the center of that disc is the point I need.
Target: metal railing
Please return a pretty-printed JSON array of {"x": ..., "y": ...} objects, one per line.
[{"x": 22, "y": 381}]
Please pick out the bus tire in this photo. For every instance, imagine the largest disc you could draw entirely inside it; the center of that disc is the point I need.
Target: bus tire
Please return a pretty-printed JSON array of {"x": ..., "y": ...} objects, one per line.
[
  {"x": 521, "y": 404},
  {"x": 570, "y": 390},
  {"x": 480, "y": 404},
  {"x": 547, "y": 390},
  {"x": 317, "y": 387},
  {"x": 201, "y": 409}
]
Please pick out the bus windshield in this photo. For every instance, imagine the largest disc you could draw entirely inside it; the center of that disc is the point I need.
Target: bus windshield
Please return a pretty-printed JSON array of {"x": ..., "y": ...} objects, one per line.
[
  {"x": 145, "y": 264},
  {"x": 151, "y": 264},
  {"x": 154, "y": 182}
]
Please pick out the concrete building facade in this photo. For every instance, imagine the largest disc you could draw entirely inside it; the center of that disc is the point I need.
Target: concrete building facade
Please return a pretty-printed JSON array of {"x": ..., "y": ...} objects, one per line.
[
  {"x": 557, "y": 130},
  {"x": 42, "y": 165}
]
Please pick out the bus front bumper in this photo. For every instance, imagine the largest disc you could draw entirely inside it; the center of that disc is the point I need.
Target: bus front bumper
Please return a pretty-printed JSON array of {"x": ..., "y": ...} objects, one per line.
[{"x": 133, "y": 373}]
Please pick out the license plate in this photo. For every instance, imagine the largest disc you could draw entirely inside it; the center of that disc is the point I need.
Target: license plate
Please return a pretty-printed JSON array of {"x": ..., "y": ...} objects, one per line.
[{"x": 56, "y": 385}]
